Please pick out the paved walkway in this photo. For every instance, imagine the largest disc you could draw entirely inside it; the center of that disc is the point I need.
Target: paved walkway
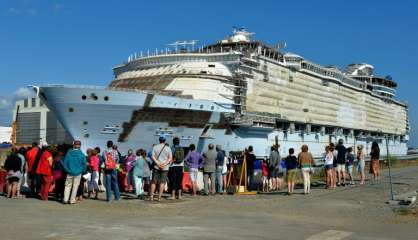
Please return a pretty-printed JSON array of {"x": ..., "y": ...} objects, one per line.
[{"x": 351, "y": 212}]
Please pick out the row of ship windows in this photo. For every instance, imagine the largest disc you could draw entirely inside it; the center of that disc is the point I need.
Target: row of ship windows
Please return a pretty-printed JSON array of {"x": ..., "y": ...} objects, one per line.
[
  {"x": 94, "y": 97},
  {"x": 71, "y": 109}
]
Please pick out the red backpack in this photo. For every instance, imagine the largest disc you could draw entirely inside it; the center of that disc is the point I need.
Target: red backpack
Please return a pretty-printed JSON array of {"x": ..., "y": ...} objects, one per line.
[{"x": 110, "y": 163}]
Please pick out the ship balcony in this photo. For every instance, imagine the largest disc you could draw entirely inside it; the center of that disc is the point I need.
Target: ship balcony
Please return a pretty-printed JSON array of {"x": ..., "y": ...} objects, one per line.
[{"x": 384, "y": 89}]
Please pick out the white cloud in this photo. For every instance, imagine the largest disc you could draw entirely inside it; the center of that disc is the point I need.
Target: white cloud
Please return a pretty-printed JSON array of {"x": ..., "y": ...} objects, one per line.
[
  {"x": 4, "y": 103},
  {"x": 23, "y": 93},
  {"x": 14, "y": 11}
]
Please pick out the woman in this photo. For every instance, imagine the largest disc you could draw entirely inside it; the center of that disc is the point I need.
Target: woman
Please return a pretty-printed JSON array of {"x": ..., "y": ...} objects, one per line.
[
  {"x": 306, "y": 162},
  {"x": 329, "y": 167},
  {"x": 291, "y": 165},
  {"x": 374, "y": 165},
  {"x": 45, "y": 170},
  {"x": 13, "y": 165},
  {"x": 138, "y": 171},
  {"x": 194, "y": 161},
  {"x": 361, "y": 162},
  {"x": 129, "y": 164},
  {"x": 224, "y": 174},
  {"x": 94, "y": 163}
]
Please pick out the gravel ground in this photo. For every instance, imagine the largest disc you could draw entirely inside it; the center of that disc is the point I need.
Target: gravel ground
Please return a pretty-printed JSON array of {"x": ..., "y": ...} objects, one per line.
[{"x": 351, "y": 212}]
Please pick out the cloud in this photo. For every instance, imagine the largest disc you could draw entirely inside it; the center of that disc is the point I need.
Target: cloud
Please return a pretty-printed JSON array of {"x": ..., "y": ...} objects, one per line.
[
  {"x": 22, "y": 11},
  {"x": 5, "y": 103},
  {"x": 23, "y": 93}
]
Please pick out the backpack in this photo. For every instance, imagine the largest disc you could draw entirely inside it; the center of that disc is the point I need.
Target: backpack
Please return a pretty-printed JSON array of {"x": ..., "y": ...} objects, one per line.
[
  {"x": 178, "y": 156},
  {"x": 110, "y": 163}
]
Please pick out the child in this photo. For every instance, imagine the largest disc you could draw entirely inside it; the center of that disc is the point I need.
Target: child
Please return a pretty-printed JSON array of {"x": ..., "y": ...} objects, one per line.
[
  {"x": 291, "y": 165},
  {"x": 265, "y": 172},
  {"x": 349, "y": 164}
]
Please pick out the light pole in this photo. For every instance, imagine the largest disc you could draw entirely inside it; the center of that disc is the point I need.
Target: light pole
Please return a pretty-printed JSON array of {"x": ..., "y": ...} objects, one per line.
[{"x": 389, "y": 166}]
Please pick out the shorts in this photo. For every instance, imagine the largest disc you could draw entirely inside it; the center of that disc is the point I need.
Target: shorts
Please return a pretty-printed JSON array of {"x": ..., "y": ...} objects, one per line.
[
  {"x": 341, "y": 168},
  {"x": 274, "y": 173},
  {"x": 159, "y": 176},
  {"x": 13, "y": 179},
  {"x": 291, "y": 175},
  {"x": 360, "y": 167},
  {"x": 350, "y": 169},
  {"x": 329, "y": 166},
  {"x": 193, "y": 174}
]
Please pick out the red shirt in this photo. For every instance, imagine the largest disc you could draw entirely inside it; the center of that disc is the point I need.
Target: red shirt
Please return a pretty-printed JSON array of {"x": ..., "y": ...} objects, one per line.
[
  {"x": 264, "y": 169},
  {"x": 31, "y": 157},
  {"x": 94, "y": 163},
  {"x": 44, "y": 167}
]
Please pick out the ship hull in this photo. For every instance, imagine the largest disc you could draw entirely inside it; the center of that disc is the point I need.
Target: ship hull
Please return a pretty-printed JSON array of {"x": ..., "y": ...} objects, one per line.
[{"x": 135, "y": 120}]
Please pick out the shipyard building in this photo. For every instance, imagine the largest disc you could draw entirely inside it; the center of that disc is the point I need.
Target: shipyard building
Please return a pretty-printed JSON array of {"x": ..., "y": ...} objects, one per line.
[{"x": 35, "y": 123}]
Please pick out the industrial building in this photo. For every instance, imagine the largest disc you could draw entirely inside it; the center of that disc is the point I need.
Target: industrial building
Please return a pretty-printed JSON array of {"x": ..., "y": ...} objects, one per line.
[{"x": 35, "y": 123}]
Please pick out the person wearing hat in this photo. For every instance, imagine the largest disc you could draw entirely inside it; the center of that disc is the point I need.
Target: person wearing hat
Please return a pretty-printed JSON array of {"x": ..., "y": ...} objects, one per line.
[
  {"x": 162, "y": 157},
  {"x": 74, "y": 164}
]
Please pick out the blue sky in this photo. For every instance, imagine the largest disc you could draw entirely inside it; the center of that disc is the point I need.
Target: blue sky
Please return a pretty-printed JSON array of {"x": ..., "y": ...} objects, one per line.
[{"x": 78, "y": 42}]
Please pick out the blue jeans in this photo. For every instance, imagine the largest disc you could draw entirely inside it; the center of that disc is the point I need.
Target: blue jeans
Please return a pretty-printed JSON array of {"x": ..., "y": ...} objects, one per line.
[
  {"x": 219, "y": 179},
  {"x": 111, "y": 182},
  {"x": 93, "y": 183}
]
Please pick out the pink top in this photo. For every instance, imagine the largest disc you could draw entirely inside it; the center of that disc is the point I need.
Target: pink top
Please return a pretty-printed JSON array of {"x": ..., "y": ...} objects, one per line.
[{"x": 94, "y": 163}]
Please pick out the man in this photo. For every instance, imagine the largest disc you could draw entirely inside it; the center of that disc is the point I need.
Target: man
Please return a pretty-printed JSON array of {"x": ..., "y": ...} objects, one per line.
[
  {"x": 175, "y": 172},
  {"x": 220, "y": 160},
  {"x": 31, "y": 157},
  {"x": 274, "y": 166},
  {"x": 74, "y": 164},
  {"x": 111, "y": 158},
  {"x": 341, "y": 157},
  {"x": 162, "y": 158},
  {"x": 250, "y": 158},
  {"x": 209, "y": 168}
]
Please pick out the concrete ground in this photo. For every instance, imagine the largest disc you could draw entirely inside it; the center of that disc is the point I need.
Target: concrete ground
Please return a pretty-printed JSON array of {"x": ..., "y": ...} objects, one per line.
[{"x": 345, "y": 213}]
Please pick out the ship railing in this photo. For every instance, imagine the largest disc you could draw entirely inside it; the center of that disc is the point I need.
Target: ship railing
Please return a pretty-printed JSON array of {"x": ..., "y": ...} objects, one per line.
[{"x": 98, "y": 87}]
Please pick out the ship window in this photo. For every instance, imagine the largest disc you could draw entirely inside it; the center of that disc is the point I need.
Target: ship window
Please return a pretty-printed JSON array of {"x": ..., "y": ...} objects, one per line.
[
  {"x": 25, "y": 103},
  {"x": 84, "y": 97},
  {"x": 211, "y": 65},
  {"x": 212, "y": 107},
  {"x": 86, "y": 135},
  {"x": 201, "y": 106},
  {"x": 106, "y": 98},
  {"x": 85, "y": 123},
  {"x": 71, "y": 109},
  {"x": 94, "y": 97},
  {"x": 204, "y": 72},
  {"x": 33, "y": 102},
  {"x": 190, "y": 105}
]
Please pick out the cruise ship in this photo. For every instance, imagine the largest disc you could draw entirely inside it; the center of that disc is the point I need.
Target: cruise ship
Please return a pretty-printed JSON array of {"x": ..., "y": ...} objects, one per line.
[{"x": 236, "y": 92}]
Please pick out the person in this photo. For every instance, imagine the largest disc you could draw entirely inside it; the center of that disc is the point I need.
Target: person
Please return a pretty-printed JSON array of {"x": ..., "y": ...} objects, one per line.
[
  {"x": 361, "y": 163},
  {"x": 59, "y": 175},
  {"x": 334, "y": 164},
  {"x": 13, "y": 165},
  {"x": 341, "y": 158},
  {"x": 224, "y": 174},
  {"x": 21, "y": 154},
  {"x": 162, "y": 158},
  {"x": 175, "y": 172},
  {"x": 265, "y": 175},
  {"x": 94, "y": 163},
  {"x": 291, "y": 165},
  {"x": 31, "y": 157},
  {"x": 209, "y": 168},
  {"x": 305, "y": 161},
  {"x": 138, "y": 168},
  {"x": 349, "y": 164},
  {"x": 329, "y": 167},
  {"x": 74, "y": 164},
  {"x": 274, "y": 167},
  {"x": 45, "y": 171},
  {"x": 129, "y": 163},
  {"x": 111, "y": 158},
  {"x": 101, "y": 169},
  {"x": 219, "y": 162},
  {"x": 250, "y": 159},
  {"x": 374, "y": 165},
  {"x": 194, "y": 161}
]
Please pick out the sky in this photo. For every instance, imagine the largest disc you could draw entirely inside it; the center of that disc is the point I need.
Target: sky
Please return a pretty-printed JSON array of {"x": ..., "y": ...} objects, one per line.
[{"x": 78, "y": 42}]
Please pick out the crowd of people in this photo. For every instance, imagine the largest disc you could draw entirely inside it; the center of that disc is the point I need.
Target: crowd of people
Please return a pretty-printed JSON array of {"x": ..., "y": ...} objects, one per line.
[{"x": 71, "y": 174}]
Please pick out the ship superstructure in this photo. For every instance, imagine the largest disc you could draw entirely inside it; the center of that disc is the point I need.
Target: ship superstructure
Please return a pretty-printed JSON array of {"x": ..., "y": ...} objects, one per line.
[{"x": 236, "y": 92}]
